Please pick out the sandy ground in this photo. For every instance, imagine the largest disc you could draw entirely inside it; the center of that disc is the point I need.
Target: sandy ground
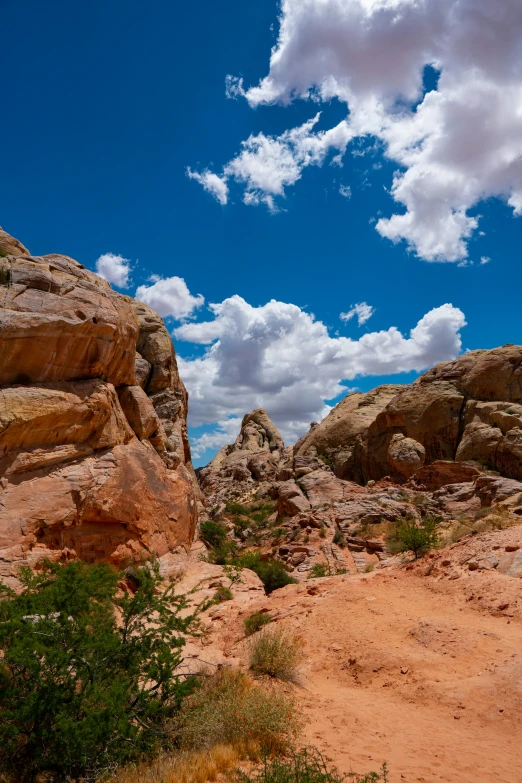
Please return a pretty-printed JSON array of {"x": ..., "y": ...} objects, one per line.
[{"x": 402, "y": 668}]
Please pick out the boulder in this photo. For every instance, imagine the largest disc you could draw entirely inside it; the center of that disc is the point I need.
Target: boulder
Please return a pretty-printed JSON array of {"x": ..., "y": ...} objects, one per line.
[
  {"x": 291, "y": 500},
  {"x": 405, "y": 455},
  {"x": 440, "y": 473},
  {"x": 60, "y": 322}
]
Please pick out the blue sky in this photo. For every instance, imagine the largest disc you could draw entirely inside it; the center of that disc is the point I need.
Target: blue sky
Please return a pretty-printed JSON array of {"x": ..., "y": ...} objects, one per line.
[{"x": 107, "y": 104}]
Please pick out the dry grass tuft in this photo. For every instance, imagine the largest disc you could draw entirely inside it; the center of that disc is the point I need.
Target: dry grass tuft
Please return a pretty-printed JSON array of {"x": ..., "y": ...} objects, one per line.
[
  {"x": 231, "y": 709},
  {"x": 201, "y": 766},
  {"x": 276, "y": 653}
]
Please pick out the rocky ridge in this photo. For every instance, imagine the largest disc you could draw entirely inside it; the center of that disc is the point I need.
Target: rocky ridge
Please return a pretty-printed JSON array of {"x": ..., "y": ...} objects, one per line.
[
  {"x": 94, "y": 454},
  {"x": 417, "y": 452}
]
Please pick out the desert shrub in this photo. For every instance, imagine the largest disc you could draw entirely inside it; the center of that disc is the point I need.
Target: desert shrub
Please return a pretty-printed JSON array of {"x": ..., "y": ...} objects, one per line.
[
  {"x": 223, "y": 594},
  {"x": 318, "y": 570},
  {"x": 213, "y": 533},
  {"x": 255, "y": 622},
  {"x": 322, "y": 533},
  {"x": 230, "y": 709},
  {"x": 276, "y": 653},
  {"x": 307, "y": 765},
  {"x": 408, "y": 536},
  {"x": 339, "y": 538},
  {"x": 271, "y": 572},
  {"x": 86, "y": 678},
  {"x": 420, "y": 500}
]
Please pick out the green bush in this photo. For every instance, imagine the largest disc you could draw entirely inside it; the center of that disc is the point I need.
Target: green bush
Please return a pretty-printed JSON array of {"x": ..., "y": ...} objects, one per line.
[
  {"x": 276, "y": 653},
  {"x": 255, "y": 622},
  {"x": 223, "y": 594},
  {"x": 304, "y": 766},
  {"x": 318, "y": 570},
  {"x": 408, "y": 536},
  {"x": 213, "y": 533},
  {"x": 271, "y": 572},
  {"x": 339, "y": 539},
  {"x": 86, "y": 678}
]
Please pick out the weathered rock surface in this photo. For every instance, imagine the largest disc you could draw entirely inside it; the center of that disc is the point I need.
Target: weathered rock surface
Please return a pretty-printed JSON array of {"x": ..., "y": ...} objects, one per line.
[
  {"x": 468, "y": 409},
  {"x": 94, "y": 453}
]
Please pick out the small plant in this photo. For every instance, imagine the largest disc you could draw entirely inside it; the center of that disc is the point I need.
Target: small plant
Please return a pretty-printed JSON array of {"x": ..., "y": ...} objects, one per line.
[
  {"x": 222, "y": 594},
  {"x": 307, "y": 765},
  {"x": 271, "y": 572},
  {"x": 420, "y": 500},
  {"x": 255, "y": 622},
  {"x": 408, "y": 536},
  {"x": 306, "y": 539},
  {"x": 233, "y": 572},
  {"x": 276, "y": 653},
  {"x": 229, "y": 708},
  {"x": 339, "y": 539},
  {"x": 369, "y": 568},
  {"x": 322, "y": 533},
  {"x": 319, "y": 570},
  {"x": 213, "y": 533}
]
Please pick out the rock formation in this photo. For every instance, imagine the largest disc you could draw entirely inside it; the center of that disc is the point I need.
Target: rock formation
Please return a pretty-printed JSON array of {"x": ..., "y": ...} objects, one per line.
[
  {"x": 256, "y": 454},
  {"x": 94, "y": 454},
  {"x": 447, "y": 447},
  {"x": 468, "y": 409}
]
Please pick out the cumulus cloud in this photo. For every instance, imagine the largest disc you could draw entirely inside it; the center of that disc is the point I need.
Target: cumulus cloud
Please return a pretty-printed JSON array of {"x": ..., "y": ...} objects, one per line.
[
  {"x": 456, "y": 145},
  {"x": 213, "y": 184},
  {"x": 362, "y": 311},
  {"x": 484, "y": 260},
  {"x": 169, "y": 296},
  {"x": 280, "y": 358},
  {"x": 114, "y": 268},
  {"x": 267, "y": 165},
  {"x": 346, "y": 191}
]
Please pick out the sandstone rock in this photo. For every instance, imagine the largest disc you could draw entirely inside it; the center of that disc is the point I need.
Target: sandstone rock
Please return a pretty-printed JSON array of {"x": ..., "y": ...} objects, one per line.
[
  {"x": 59, "y": 321},
  {"x": 9, "y": 246},
  {"x": 341, "y": 435},
  {"x": 291, "y": 500},
  {"x": 405, "y": 455},
  {"x": 139, "y": 411},
  {"x": 441, "y": 472},
  {"x": 75, "y": 479}
]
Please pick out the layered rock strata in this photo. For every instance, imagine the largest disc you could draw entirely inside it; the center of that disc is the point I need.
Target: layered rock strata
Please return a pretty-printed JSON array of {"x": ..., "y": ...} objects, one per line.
[{"x": 94, "y": 454}]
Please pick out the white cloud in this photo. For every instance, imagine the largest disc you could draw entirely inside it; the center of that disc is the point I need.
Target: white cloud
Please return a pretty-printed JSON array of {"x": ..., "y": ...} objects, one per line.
[
  {"x": 169, "y": 296},
  {"x": 114, "y": 269},
  {"x": 362, "y": 311},
  {"x": 484, "y": 260},
  {"x": 456, "y": 145},
  {"x": 346, "y": 191},
  {"x": 279, "y": 357},
  {"x": 225, "y": 432},
  {"x": 267, "y": 165},
  {"x": 213, "y": 184}
]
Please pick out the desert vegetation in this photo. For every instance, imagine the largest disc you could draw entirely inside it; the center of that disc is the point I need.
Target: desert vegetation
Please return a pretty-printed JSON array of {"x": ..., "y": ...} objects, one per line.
[{"x": 276, "y": 653}]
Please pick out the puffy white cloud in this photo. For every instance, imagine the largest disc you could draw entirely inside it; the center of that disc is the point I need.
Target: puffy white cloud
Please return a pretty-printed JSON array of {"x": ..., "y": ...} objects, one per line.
[
  {"x": 213, "y": 184},
  {"x": 484, "y": 260},
  {"x": 362, "y": 311},
  {"x": 346, "y": 191},
  {"x": 280, "y": 358},
  {"x": 267, "y": 165},
  {"x": 456, "y": 145},
  {"x": 169, "y": 296},
  {"x": 114, "y": 268}
]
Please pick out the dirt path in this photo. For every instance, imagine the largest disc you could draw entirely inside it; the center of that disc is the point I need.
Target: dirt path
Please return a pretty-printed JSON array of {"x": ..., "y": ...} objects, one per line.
[{"x": 395, "y": 672}]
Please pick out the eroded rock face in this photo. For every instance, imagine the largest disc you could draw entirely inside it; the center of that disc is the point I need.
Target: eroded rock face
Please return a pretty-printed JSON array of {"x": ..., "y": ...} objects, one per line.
[
  {"x": 468, "y": 409},
  {"x": 94, "y": 453},
  {"x": 257, "y": 454}
]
